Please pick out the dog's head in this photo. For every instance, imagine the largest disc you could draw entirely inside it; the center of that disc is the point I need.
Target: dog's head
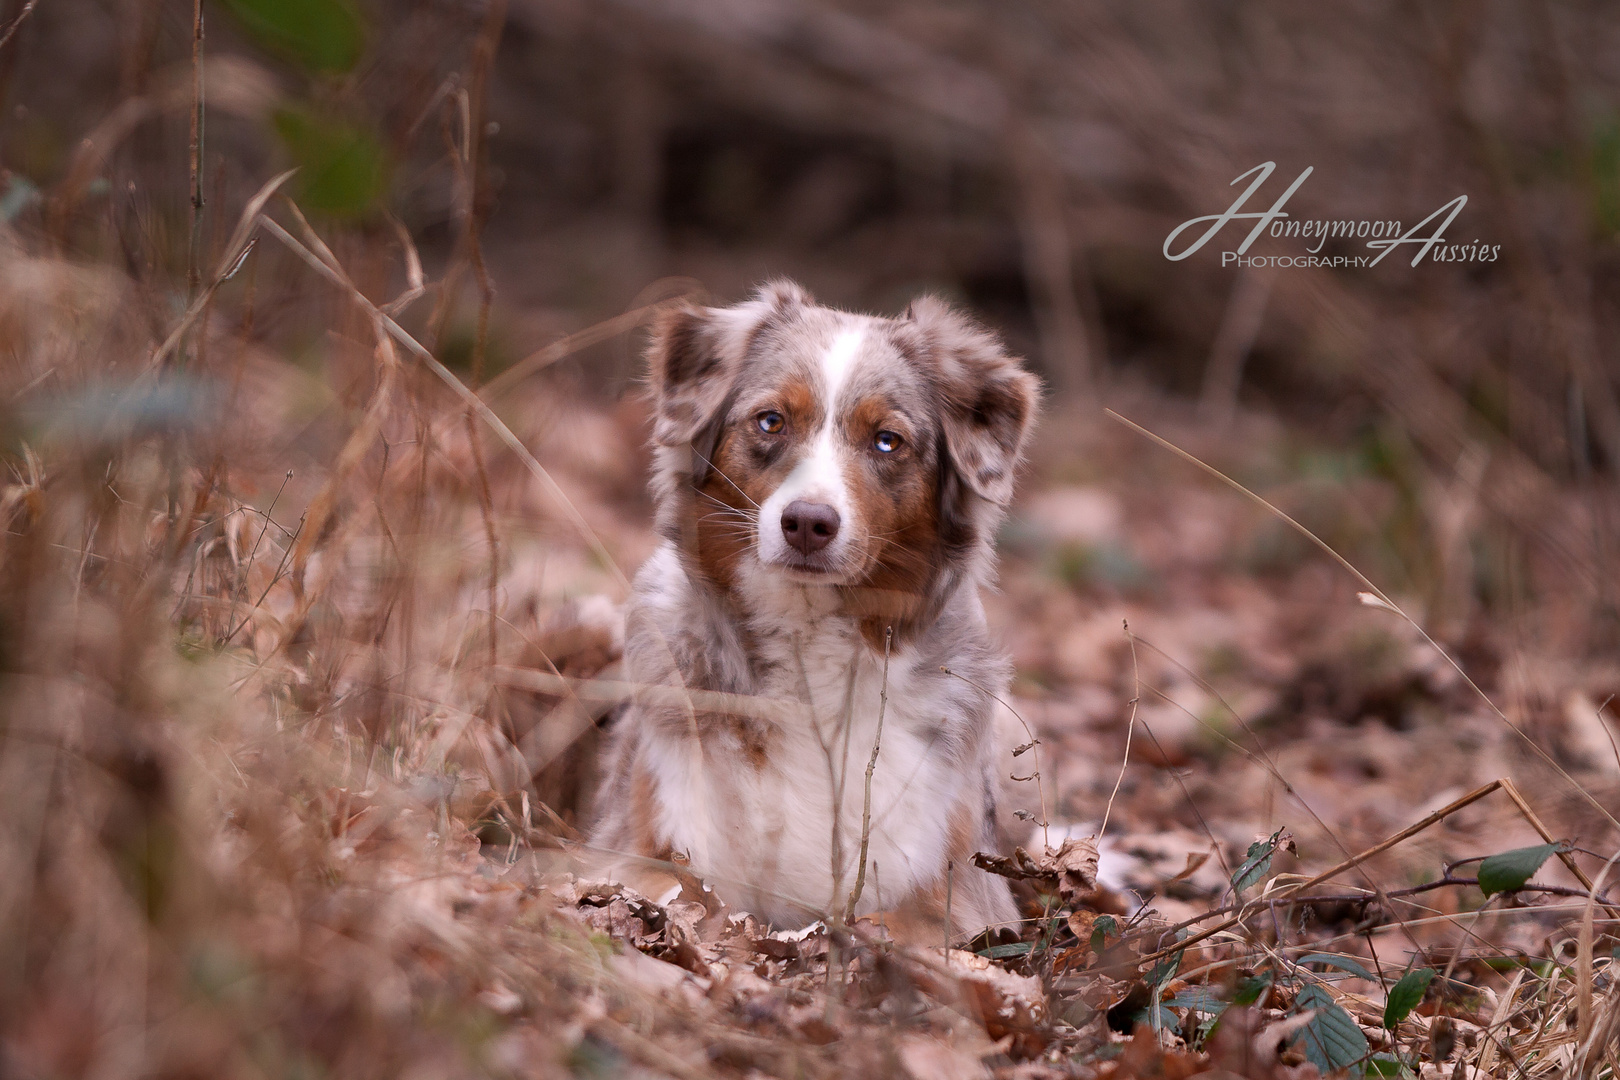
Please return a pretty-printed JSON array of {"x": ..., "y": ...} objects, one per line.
[{"x": 801, "y": 444}]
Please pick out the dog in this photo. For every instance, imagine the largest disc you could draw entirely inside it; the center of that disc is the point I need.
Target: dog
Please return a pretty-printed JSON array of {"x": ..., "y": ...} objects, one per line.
[{"x": 827, "y": 487}]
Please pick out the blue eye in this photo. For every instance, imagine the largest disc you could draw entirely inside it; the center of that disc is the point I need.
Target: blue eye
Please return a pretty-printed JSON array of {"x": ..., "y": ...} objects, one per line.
[
  {"x": 887, "y": 442},
  {"x": 770, "y": 422}
]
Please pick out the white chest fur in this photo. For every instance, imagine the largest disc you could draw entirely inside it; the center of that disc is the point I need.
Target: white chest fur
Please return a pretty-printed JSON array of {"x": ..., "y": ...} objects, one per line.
[{"x": 786, "y": 829}]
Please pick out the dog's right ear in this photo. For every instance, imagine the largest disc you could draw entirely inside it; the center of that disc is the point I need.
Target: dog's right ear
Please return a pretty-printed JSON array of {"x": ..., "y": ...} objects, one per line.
[
  {"x": 689, "y": 373},
  {"x": 696, "y": 353}
]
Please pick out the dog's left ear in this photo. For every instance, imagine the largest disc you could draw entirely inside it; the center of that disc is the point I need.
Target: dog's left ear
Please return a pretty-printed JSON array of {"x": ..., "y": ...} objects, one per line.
[{"x": 990, "y": 401}]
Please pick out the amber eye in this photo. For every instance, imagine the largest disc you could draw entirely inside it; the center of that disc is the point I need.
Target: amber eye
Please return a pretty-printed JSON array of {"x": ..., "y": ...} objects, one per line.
[
  {"x": 770, "y": 423},
  {"x": 887, "y": 442}
]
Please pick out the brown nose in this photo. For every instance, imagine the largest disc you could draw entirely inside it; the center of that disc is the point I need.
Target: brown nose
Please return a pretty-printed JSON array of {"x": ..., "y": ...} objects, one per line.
[{"x": 809, "y": 526}]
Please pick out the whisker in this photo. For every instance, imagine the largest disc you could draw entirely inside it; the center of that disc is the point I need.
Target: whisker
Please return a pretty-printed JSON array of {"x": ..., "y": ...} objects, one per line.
[
  {"x": 738, "y": 510},
  {"x": 730, "y": 523},
  {"x": 733, "y": 524},
  {"x": 727, "y": 479},
  {"x": 734, "y": 528}
]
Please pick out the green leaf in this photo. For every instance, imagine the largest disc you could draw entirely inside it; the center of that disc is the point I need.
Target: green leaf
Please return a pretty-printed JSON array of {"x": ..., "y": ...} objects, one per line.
[
  {"x": 1202, "y": 999},
  {"x": 321, "y": 35},
  {"x": 343, "y": 169},
  {"x": 1165, "y": 969},
  {"x": 1249, "y": 990},
  {"x": 1405, "y": 995},
  {"x": 1332, "y": 1040},
  {"x": 1159, "y": 1017},
  {"x": 1100, "y": 930},
  {"x": 1605, "y": 163},
  {"x": 1343, "y": 963},
  {"x": 1007, "y": 952},
  {"x": 1387, "y": 1065},
  {"x": 1257, "y": 863},
  {"x": 1511, "y": 869}
]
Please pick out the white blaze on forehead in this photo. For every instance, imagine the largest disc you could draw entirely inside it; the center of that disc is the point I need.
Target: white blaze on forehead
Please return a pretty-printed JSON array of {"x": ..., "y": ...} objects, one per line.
[
  {"x": 819, "y": 474},
  {"x": 836, "y": 363}
]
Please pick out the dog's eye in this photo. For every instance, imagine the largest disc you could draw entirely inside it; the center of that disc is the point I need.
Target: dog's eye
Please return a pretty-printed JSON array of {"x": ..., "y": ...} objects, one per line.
[
  {"x": 770, "y": 422},
  {"x": 887, "y": 442}
]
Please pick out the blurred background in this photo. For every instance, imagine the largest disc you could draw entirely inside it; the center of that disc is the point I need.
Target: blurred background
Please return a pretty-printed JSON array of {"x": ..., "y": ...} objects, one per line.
[{"x": 265, "y": 572}]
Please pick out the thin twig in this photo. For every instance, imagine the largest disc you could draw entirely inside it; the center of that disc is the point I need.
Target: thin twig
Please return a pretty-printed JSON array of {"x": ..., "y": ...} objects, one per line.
[
  {"x": 28, "y": 9},
  {"x": 1604, "y": 724},
  {"x": 486, "y": 511},
  {"x": 275, "y": 577},
  {"x": 1261, "y": 758},
  {"x": 1192, "y": 804},
  {"x": 467, "y": 161},
  {"x": 1367, "y": 897},
  {"x": 1034, "y": 744},
  {"x": 1583, "y": 974},
  {"x": 1130, "y": 729},
  {"x": 254, "y": 553},
  {"x": 871, "y": 767},
  {"x": 194, "y": 241},
  {"x": 239, "y": 239}
]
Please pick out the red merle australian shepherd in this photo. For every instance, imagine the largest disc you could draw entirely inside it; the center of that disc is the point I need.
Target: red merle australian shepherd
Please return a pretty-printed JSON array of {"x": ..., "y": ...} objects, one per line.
[{"x": 828, "y": 486}]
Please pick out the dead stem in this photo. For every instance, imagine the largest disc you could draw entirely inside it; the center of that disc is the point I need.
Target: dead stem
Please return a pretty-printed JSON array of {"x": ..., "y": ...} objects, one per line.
[
  {"x": 195, "y": 155},
  {"x": 236, "y": 595},
  {"x": 274, "y": 578},
  {"x": 1034, "y": 744},
  {"x": 1215, "y": 846},
  {"x": 240, "y": 238},
  {"x": 471, "y": 181},
  {"x": 11, "y": 30},
  {"x": 1130, "y": 729},
  {"x": 1535, "y": 821},
  {"x": 1261, "y": 757},
  {"x": 871, "y": 767}
]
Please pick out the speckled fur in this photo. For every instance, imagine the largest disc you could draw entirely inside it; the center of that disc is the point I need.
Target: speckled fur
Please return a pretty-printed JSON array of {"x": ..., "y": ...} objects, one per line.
[{"x": 766, "y": 800}]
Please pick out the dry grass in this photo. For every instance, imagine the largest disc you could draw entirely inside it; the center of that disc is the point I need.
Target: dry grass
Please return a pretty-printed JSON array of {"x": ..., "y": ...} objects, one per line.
[
  {"x": 269, "y": 807},
  {"x": 307, "y": 628}
]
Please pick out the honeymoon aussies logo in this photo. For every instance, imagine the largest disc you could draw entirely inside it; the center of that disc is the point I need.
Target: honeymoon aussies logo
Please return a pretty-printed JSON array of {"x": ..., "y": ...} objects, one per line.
[{"x": 1381, "y": 236}]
